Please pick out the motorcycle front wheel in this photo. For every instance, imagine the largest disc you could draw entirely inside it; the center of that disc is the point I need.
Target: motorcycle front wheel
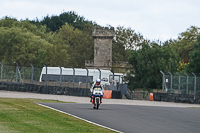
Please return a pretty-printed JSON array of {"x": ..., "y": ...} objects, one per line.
[{"x": 97, "y": 103}]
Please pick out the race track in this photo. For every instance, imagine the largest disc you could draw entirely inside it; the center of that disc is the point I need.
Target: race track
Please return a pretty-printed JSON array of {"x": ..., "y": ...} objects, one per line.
[{"x": 136, "y": 119}]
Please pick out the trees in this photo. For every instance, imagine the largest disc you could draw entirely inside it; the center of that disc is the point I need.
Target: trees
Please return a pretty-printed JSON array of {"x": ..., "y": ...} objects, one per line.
[
  {"x": 26, "y": 26},
  {"x": 54, "y": 23},
  {"x": 72, "y": 47},
  {"x": 184, "y": 45},
  {"x": 71, "y": 43},
  {"x": 147, "y": 63},
  {"x": 18, "y": 45},
  {"x": 25, "y": 43},
  {"x": 125, "y": 40},
  {"x": 194, "y": 64}
]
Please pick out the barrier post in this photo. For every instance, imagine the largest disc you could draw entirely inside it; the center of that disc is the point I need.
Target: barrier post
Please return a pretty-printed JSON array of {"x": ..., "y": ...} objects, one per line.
[
  {"x": 187, "y": 83},
  {"x": 60, "y": 75},
  {"x": 163, "y": 83},
  {"x": 170, "y": 83},
  {"x": 45, "y": 76},
  {"x": 99, "y": 73},
  {"x": 195, "y": 83},
  {"x": 16, "y": 72},
  {"x": 87, "y": 78},
  {"x": 1, "y": 72},
  {"x": 32, "y": 73},
  {"x": 73, "y": 75},
  {"x": 179, "y": 82},
  {"x": 113, "y": 73}
]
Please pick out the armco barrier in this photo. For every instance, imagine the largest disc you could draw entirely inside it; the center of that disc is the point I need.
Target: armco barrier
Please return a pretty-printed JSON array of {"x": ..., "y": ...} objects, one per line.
[
  {"x": 45, "y": 89},
  {"x": 159, "y": 96},
  {"x": 116, "y": 94},
  {"x": 181, "y": 98}
]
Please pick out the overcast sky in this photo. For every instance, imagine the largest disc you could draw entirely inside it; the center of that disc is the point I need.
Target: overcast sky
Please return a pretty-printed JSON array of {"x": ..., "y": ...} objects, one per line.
[{"x": 154, "y": 19}]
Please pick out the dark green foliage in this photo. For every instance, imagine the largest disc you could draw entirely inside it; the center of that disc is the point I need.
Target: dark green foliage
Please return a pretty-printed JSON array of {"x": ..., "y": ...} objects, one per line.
[
  {"x": 72, "y": 47},
  {"x": 76, "y": 39},
  {"x": 28, "y": 42},
  {"x": 194, "y": 64},
  {"x": 124, "y": 41},
  {"x": 23, "y": 43},
  {"x": 54, "y": 23},
  {"x": 147, "y": 63},
  {"x": 184, "y": 44}
]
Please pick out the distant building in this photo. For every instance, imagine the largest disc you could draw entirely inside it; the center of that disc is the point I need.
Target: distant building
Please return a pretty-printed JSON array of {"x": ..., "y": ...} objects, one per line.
[{"x": 102, "y": 48}]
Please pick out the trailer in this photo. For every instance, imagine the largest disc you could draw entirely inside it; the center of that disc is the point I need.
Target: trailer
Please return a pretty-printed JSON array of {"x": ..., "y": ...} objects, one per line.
[{"x": 79, "y": 75}]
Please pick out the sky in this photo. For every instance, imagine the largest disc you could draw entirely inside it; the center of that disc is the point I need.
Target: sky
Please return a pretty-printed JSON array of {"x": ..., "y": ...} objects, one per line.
[{"x": 154, "y": 19}]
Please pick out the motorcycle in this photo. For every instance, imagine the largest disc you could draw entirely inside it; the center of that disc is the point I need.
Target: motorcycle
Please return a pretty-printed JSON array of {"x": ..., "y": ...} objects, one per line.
[{"x": 96, "y": 97}]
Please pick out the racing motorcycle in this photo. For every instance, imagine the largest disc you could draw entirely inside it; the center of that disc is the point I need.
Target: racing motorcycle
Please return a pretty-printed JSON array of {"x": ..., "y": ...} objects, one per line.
[{"x": 96, "y": 97}]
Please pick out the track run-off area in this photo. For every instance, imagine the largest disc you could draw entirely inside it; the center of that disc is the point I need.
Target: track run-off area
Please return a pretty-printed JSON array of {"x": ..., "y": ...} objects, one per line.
[{"x": 128, "y": 116}]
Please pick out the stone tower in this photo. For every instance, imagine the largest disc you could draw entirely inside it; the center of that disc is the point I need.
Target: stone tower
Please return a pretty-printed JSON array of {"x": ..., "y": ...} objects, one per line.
[{"x": 103, "y": 46}]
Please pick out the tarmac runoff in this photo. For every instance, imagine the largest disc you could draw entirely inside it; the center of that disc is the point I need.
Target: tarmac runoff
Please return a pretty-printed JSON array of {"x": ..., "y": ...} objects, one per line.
[{"x": 76, "y": 99}]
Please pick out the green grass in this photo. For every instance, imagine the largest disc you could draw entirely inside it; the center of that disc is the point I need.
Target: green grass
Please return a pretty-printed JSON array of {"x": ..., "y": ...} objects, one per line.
[{"x": 24, "y": 116}]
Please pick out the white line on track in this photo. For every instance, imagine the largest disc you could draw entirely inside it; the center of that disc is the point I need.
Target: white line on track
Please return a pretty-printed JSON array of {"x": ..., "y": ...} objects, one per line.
[{"x": 79, "y": 118}]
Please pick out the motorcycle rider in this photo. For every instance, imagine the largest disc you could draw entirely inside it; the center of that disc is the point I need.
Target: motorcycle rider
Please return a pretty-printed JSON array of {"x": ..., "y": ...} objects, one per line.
[{"x": 94, "y": 85}]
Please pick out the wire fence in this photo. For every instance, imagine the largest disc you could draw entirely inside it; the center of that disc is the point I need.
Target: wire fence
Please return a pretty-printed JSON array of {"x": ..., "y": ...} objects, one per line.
[
  {"x": 51, "y": 80},
  {"x": 181, "y": 84},
  {"x": 49, "y": 77},
  {"x": 30, "y": 79},
  {"x": 21, "y": 74},
  {"x": 31, "y": 75}
]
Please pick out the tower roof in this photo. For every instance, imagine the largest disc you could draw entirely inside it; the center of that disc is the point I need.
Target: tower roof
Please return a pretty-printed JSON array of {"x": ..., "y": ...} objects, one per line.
[{"x": 103, "y": 32}]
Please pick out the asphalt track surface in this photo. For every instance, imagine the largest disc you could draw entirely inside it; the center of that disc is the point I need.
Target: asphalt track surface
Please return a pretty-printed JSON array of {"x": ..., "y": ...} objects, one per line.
[{"x": 135, "y": 118}]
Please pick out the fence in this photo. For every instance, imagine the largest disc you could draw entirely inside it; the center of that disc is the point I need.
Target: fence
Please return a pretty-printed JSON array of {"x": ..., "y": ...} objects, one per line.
[
  {"x": 31, "y": 75},
  {"x": 30, "y": 79},
  {"x": 181, "y": 84},
  {"x": 27, "y": 79},
  {"x": 179, "y": 88}
]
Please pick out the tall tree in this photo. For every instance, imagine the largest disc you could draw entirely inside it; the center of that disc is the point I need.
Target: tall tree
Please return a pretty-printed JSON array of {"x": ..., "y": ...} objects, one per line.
[
  {"x": 194, "y": 64},
  {"x": 125, "y": 39},
  {"x": 26, "y": 26},
  {"x": 75, "y": 42},
  {"x": 24, "y": 43},
  {"x": 54, "y": 23},
  {"x": 147, "y": 63},
  {"x": 17, "y": 45},
  {"x": 184, "y": 45}
]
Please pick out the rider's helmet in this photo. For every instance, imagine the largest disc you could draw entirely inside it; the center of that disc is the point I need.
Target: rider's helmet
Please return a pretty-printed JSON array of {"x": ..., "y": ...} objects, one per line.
[{"x": 98, "y": 81}]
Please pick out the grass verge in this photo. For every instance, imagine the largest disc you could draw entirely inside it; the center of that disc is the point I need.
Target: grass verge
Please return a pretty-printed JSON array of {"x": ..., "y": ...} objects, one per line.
[{"x": 24, "y": 116}]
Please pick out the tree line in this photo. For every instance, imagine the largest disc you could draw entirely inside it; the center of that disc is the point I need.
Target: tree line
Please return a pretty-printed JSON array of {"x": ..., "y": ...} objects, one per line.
[{"x": 66, "y": 40}]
